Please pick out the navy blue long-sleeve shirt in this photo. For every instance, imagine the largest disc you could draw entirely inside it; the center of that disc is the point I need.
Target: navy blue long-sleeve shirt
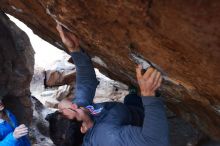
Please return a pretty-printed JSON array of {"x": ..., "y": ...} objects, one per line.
[
  {"x": 113, "y": 126},
  {"x": 86, "y": 81}
]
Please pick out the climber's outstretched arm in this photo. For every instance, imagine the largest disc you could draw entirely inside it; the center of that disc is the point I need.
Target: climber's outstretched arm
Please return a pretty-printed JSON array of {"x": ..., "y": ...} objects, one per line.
[{"x": 86, "y": 81}]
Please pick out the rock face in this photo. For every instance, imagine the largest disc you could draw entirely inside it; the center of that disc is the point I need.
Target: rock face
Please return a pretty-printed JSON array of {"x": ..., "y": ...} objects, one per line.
[
  {"x": 39, "y": 128},
  {"x": 16, "y": 69},
  {"x": 56, "y": 78},
  {"x": 181, "y": 38}
]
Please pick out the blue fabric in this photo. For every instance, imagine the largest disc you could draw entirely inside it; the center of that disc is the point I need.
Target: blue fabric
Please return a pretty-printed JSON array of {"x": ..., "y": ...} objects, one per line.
[
  {"x": 6, "y": 133},
  {"x": 116, "y": 125},
  {"x": 135, "y": 105},
  {"x": 133, "y": 100},
  {"x": 86, "y": 81}
]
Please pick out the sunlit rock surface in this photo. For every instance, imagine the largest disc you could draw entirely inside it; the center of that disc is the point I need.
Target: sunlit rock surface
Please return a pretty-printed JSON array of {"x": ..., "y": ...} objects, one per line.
[
  {"x": 181, "y": 38},
  {"x": 16, "y": 69}
]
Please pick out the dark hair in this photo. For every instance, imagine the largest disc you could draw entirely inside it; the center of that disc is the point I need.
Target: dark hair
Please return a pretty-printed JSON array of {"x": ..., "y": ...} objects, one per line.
[{"x": 64, "y": 132}]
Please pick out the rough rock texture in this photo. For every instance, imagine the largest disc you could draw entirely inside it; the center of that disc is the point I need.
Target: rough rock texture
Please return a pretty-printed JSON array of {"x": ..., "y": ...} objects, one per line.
[
  {"x": 39, "y": 128},
  {"x": 179, "y": 37},
  {"x": 57, "y": 77},
  {"x": 16, "y": 69}
]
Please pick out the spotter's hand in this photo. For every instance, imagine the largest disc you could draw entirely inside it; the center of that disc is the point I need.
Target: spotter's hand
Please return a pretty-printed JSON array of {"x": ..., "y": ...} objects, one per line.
[{"x": 20, "y": 131}]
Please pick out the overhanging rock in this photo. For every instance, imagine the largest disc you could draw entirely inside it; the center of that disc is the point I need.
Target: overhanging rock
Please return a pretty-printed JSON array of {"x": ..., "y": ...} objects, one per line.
[{"x": 181, "y": 38}]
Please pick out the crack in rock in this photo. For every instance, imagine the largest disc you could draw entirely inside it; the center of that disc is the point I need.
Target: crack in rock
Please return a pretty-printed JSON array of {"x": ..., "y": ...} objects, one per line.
[
  {"x": 99, "y": 61},
  {"x": 17, "y": 9},
  {"x": 57, "y": 21},
  {"x": 138, "y": 59}
]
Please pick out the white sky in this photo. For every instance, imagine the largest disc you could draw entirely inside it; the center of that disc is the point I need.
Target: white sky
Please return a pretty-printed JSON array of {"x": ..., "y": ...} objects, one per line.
[{"x": 45, "y": 53}]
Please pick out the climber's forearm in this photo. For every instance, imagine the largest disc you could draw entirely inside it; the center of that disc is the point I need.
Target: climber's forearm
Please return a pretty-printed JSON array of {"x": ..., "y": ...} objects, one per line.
[{"x": 86, "y": 81}]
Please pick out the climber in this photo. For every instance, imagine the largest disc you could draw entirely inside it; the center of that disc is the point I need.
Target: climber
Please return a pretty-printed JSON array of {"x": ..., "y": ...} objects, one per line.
[
  {"x": 140, "y": 121},
  {"x": 10, "y": 133}
]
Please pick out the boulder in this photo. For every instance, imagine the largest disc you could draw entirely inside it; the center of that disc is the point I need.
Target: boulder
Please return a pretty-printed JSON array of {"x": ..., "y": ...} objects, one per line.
[
  {"x": 180, "y": 38},
  {"x": 39, "y": 128},
  {"x": 16, "y": 69},
  {"x": 60, "y": 77}
]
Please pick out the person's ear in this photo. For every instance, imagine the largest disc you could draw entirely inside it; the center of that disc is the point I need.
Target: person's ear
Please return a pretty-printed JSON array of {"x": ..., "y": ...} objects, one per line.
[{"x": 83, "y": 129}]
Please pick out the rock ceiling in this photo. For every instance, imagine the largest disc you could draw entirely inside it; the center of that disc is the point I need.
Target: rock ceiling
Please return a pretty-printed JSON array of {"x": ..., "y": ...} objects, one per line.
[{"x": 180, "y": 38}]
